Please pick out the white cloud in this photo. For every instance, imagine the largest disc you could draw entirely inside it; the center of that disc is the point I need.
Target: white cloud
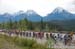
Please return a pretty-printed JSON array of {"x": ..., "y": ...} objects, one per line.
[
  {"x": 42, "y": 7},
  {"x": 71, "y": 6}
]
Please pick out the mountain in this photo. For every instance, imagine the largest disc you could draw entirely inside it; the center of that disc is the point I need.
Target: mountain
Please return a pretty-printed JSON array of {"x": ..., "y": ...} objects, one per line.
[
  {"x": 59, "y": 14},
  {"x": 5, "y": 17},
  {"x": 33, "y": 16},
  {"x": 30, "y": 15},
  {"x": 19, "y": 15}
]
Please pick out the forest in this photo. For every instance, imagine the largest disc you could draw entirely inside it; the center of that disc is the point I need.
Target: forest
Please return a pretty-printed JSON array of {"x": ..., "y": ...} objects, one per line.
[{"x": 25, "y": 24}]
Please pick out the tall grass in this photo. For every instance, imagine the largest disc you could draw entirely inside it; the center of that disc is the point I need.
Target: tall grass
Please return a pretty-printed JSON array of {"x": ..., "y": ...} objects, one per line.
[{"x": 22, "y": 43}]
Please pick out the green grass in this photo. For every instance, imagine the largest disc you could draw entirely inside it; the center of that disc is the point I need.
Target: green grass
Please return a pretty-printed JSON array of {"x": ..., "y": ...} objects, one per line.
[{"x": 7, "y": 42}]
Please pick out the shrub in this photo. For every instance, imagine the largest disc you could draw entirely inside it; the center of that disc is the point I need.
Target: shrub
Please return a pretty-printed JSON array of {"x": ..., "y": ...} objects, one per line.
[{"x": 24, "y": 42}]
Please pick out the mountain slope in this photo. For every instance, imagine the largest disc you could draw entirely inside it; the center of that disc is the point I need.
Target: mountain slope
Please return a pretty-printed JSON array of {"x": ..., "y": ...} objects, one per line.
[
  {"x": 59, "y": 14},
  {"x": 5, "y": 17},
  {"x": 33, "y": 16},
  {"x": 30, "y": 15}
]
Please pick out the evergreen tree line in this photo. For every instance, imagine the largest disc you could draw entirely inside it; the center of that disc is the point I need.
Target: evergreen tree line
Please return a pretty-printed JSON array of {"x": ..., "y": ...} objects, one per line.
[{"x": 24, "y": 25}]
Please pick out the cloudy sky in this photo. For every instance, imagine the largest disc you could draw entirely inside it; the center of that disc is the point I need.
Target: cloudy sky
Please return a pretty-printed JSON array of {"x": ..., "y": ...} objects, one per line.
[{"x": 42, "y": 7}]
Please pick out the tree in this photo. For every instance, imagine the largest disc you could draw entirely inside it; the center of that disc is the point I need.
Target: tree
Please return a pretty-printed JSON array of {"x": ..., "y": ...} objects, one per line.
[
  {"x": 10, "y": 24},
  {"x": 41, "y": 25},
  {"x": 15, "y": 25}
]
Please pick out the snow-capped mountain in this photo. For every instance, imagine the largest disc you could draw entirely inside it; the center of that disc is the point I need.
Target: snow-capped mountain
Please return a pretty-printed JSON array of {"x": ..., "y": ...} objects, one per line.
[
  {"x": 5, "y": 17},
  {"x": 33, "y": 16},
  {"x": 58, "y": 9},
  {"x": 30, "y": 12},
  {"x": 30, "y": 15},
  {"x": 59, "y": 14}
]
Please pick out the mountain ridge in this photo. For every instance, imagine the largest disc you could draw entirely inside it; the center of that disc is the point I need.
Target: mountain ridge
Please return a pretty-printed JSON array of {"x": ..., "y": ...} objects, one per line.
[{"x": 57, "y": 14}]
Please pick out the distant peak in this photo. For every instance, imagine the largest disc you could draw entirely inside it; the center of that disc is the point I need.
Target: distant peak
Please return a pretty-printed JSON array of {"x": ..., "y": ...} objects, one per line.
[
  {"x": 6, "y": 14},
  {"x": 20, "y": 12},
  {"x": 30, "y": 12},
  {"x": 59, "y": 10}
]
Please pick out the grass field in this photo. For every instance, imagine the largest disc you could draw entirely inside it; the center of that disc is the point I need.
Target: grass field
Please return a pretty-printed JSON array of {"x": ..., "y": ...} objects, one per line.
[{"x": 7, "y": 42}]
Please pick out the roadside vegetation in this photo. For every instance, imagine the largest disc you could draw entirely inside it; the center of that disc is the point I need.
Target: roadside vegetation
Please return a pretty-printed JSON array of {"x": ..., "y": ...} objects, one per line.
[{"x": 7, "y": 42}]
